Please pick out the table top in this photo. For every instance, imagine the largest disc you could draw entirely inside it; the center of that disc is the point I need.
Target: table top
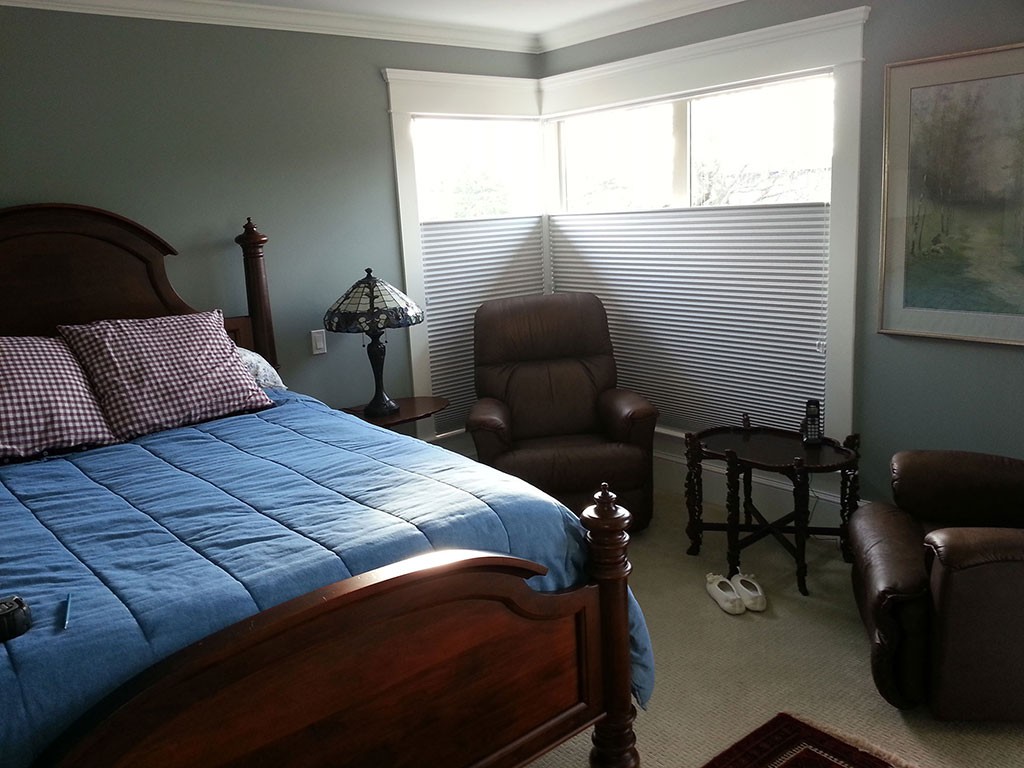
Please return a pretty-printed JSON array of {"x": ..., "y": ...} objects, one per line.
[
  {"x": 775, "y": 449},
  {"x": 409, "y": 409}
]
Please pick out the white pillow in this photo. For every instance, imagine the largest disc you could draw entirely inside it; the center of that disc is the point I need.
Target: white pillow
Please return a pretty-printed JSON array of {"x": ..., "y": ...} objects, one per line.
[{"x": 262, "y": 371}]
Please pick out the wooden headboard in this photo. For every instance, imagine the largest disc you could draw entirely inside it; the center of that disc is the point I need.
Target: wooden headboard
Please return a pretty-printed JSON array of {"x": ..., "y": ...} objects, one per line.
[{"x": 70, "y": 264}]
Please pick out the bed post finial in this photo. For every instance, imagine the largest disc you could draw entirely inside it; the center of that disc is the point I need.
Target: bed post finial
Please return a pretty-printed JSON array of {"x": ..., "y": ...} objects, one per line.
[
  {"x": 252, "y": 241},
  {"x": 608, "y": 543}
]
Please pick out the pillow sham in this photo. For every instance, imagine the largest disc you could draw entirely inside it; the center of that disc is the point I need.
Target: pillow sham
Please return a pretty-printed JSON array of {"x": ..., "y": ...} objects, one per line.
[
  {"x": 162, "y": 372},
  {"x": 260, "y": 369},
  {"x": 45, "y": 400}
]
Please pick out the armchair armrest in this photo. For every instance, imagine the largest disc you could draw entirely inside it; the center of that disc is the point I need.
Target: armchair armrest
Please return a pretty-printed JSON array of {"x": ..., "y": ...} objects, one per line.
[
  {"x": 890, "y": 584},
  {"x": 959, "y": 488},
  {"x": 957, "y": 549},
  {"x": 490, "y": 423},
  {"x": 627, "y": 417},
  {"x": 976, "y": 580}
]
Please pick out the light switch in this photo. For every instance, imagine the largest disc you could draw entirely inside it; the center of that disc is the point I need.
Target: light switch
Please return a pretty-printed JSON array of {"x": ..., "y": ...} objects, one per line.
[{"x": 318, "y": 341}]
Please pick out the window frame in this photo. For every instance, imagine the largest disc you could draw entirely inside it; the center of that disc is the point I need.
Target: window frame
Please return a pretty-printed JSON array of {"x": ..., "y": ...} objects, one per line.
[{"x": 680, "y": 187}]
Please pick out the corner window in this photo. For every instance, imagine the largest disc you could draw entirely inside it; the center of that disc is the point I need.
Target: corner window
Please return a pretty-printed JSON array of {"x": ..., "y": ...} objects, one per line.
[
  {"x": 763, "y": 145},
  {"x": 751, "y": 146},
  {"x": 476, "y": 168},
  {"x": 620, "y": 160}
]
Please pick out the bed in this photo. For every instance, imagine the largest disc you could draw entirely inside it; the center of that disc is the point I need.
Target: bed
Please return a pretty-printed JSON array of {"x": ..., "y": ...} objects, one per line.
[{"x": 283, "y": 584}]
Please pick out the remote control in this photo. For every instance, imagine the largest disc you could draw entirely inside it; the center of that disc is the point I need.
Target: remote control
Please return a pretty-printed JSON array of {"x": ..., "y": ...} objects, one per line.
[{"x": 15, "y": 617}]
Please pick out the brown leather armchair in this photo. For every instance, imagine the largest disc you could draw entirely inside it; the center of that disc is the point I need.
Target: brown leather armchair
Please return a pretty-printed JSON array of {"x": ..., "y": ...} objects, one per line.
[
  {"x": 549, "y": 410},
  {"x": 939, "y": 580}
]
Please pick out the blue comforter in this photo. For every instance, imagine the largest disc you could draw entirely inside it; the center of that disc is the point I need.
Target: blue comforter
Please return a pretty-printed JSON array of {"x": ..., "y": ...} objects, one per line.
[{"x": 175, "y": 535}]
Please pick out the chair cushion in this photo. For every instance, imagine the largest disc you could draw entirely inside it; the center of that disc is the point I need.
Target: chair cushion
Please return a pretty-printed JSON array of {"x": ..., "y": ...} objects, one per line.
[
  {"x": 574, "y": 462},
  {"x": 554, "y": 397}
]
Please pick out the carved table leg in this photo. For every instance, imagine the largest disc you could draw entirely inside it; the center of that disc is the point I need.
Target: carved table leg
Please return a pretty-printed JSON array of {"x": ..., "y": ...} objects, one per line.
[
  {"x": 732, "y": 508},
  {"x": 694, "y": 495},
  {"x": 748, "y": 501},
  {"x": 801, "y": 494}
]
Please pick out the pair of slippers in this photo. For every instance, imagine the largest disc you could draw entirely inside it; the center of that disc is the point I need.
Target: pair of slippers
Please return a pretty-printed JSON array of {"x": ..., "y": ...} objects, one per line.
[{"x": 738, "y": 594}]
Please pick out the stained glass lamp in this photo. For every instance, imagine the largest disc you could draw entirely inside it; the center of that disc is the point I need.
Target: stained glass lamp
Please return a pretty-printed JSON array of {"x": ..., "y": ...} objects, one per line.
[{"x": 371, "y": 306}]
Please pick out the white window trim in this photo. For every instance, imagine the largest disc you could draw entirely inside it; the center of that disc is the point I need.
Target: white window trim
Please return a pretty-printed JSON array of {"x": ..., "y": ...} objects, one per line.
[
  {"x": 412, "y": 94},
  {"x": 832, "y": 42}
]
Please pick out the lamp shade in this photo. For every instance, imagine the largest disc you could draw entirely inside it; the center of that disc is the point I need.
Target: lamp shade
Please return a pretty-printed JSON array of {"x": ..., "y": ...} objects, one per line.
[{"x": 372, "y": 305}]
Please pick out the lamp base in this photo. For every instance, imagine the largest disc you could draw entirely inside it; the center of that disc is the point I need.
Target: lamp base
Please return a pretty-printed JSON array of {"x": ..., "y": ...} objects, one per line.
[{"x": 381, "y": 405}]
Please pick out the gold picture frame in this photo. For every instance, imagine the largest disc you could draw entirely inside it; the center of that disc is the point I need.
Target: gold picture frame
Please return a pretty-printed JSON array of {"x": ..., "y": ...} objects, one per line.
[{"x": 953, "y": 197}]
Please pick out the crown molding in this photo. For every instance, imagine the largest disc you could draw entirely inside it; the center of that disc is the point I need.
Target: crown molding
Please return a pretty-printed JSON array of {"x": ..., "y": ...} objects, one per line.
[
  {"x": 238, "y": 14},
  {"x": 806, "y": 45},
  {"x": 624, "y": 20},
  {"x": 244, "y": 14}
]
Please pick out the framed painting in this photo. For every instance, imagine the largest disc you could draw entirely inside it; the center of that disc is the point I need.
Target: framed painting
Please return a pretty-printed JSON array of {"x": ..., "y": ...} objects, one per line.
[{"x": 953, "y": 201}]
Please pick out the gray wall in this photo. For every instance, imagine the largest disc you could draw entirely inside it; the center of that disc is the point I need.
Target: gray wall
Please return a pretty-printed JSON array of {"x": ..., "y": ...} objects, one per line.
[{"x": 191, "y": 128}]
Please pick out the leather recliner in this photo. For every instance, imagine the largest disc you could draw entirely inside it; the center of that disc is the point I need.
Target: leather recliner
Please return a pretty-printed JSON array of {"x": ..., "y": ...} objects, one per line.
[
  {"x": 938, "y": 575},
  {"x": 549, "y": 409}
]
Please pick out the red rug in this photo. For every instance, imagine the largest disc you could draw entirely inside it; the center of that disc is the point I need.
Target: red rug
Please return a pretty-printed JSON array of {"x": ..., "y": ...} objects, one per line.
[{"x": 785, "y": 742}]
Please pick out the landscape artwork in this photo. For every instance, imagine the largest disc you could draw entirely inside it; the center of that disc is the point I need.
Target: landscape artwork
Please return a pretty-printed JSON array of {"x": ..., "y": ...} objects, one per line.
[{"x": 954, "y": 240}]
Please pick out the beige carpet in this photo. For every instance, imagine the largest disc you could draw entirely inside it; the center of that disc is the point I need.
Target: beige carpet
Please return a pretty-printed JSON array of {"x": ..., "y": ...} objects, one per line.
[{"x": 720, "y": 676}]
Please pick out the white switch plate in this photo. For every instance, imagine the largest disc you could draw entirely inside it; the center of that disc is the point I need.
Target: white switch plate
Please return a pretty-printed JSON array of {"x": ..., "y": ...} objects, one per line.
[{"x": 318, "y": 341}]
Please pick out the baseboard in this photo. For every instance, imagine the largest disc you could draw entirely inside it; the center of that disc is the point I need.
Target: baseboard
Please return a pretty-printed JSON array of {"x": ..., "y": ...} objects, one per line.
[{"x": 773, "y": 493}]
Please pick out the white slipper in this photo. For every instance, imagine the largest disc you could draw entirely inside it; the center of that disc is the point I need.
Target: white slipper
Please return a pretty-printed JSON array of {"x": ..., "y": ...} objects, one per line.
[
  {"x": 723, "y": 593},
  {"x": 750, "y": 591}
]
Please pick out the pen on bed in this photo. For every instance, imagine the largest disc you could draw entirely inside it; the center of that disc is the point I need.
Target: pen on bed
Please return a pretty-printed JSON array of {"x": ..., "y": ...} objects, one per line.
[{"x": 67, "y": 611}]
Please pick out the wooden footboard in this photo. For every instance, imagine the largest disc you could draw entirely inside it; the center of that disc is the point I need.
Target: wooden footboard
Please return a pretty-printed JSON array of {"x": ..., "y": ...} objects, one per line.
[{"x": 446, "y": 659}]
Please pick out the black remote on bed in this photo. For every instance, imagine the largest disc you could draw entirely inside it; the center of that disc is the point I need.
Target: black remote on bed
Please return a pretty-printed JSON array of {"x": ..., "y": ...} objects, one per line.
[{"x": 15, "y": 617}]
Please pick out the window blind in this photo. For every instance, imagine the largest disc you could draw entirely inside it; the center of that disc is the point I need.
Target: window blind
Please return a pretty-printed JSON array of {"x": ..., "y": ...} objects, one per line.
[
  {"x": 714, "y": 312},
  {"x": 465, "y": 263}
]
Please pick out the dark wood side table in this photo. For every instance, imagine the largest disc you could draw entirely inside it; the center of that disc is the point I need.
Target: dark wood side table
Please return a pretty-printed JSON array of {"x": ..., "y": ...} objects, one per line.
[
  {"x": 773, "y": 450},
  {"x": 409, "y": 409}
]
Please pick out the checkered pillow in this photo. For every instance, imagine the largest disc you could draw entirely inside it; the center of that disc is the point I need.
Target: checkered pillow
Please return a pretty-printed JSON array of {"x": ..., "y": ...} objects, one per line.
[
  {"x": 45, "y": 400},
  {"x": 163, "y": 372}
]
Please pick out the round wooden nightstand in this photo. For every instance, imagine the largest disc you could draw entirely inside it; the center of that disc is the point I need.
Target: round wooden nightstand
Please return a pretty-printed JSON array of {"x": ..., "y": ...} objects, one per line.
[{"x": 409, "y": 409}]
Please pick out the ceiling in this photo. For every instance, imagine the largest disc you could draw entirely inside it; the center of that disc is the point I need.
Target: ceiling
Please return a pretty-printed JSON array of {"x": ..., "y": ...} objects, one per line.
[
  {"x": 531, "y": 26},
  {"x": 530, "y": 16}
]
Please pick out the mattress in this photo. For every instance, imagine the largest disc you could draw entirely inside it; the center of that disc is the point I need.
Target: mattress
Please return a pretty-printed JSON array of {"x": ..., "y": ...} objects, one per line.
[{"x": 147, "y": 546}]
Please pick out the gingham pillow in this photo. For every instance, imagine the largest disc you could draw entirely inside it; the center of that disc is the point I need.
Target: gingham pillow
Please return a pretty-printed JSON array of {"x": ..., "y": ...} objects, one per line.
[
  {"x": 163, "y": 372},
  {"x": 45, "y": 400}
]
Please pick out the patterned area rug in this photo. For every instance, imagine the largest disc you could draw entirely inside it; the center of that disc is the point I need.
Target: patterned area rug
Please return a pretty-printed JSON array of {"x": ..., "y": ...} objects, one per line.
[{"x": 785, "y": 742}]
